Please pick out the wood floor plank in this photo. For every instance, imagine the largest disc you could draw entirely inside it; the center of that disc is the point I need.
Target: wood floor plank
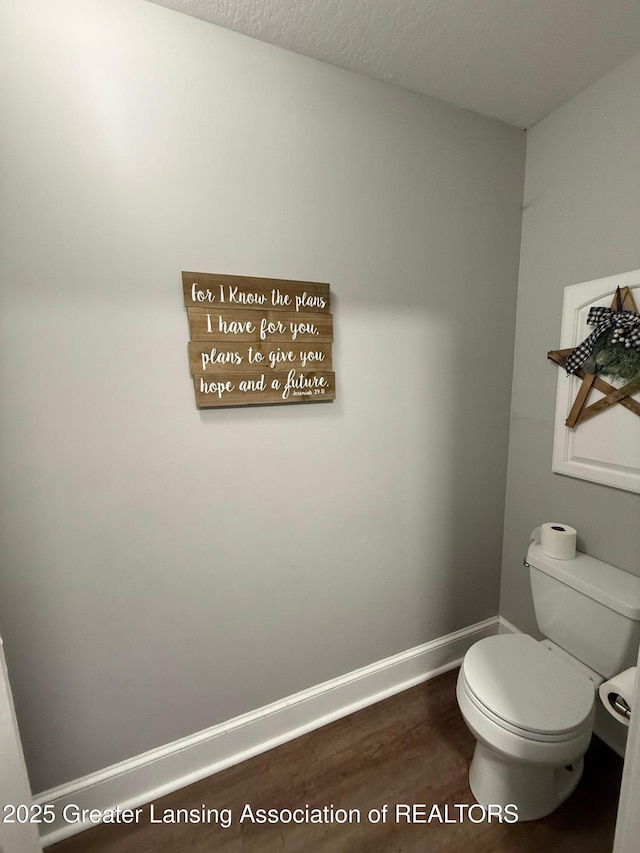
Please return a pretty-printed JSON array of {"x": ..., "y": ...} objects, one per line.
[{"x": 413, "y": 748}]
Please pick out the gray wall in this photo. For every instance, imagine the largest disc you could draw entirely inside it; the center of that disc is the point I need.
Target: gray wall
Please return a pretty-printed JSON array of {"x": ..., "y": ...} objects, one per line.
[
  {"x": 581, "y": 221},
  {"x": 165, "y": 569}
]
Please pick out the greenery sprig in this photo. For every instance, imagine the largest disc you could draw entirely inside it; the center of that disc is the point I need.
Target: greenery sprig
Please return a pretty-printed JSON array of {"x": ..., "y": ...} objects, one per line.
[{"x": 611, "y": 357}]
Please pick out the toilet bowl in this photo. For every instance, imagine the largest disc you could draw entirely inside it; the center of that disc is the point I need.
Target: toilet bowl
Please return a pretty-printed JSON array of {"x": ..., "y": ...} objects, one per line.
[
  {"x": 532, "y": 715},
  {"x": 531, "y": 704}
]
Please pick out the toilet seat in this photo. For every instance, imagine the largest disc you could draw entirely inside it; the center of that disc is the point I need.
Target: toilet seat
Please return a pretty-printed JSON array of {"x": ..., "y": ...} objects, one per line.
[
  {"x": 525, "y": 688},
  {"x": 523, "y": 735}
]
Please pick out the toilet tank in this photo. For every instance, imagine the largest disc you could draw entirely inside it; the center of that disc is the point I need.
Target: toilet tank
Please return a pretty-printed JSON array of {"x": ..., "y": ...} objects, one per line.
[{"x": 587, "y": 607}]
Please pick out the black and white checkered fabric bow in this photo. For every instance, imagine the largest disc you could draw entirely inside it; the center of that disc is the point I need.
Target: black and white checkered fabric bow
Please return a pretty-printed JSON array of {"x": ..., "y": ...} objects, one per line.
[{"x": 626, "y": 323}]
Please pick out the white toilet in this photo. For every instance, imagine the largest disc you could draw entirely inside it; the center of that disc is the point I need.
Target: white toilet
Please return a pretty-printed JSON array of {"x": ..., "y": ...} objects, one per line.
[{"x": 531, "y": 704}]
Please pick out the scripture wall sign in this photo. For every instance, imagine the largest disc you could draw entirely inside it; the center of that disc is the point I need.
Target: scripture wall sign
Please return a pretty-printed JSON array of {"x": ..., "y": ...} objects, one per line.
[{"x": 258, "y": 340}]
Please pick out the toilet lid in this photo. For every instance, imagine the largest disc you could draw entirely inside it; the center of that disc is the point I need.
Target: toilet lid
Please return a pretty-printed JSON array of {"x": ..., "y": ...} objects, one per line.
[{"x": 527, "y": 685}]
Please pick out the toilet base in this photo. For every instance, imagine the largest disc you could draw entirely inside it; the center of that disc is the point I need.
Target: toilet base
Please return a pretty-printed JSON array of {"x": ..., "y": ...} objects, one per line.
[{"x": 536, "y": 790}]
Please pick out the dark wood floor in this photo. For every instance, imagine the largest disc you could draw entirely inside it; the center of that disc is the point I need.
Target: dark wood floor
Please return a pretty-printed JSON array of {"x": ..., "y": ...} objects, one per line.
[{"x": 411, "y": 748}]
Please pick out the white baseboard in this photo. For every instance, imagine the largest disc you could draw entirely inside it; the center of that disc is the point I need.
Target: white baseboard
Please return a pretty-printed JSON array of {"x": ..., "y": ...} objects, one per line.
[
  {"x": 506, "y": 627},
  {"x": 160, "y": 771}
]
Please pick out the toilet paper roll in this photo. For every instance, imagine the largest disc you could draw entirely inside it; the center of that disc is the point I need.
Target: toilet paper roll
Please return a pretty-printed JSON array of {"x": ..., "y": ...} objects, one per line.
[
  {"x": 617, "y": 695},
  {"x": 558, "y": 540}
]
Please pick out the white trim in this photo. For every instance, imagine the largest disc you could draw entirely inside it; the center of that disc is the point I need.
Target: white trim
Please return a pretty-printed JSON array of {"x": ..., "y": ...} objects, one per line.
[
  {"x": 506, "y": 627},
  {"x": 153, "y": 774},
  {"x": 15, "y": 837},
  {"x": 628, "y": 823}
]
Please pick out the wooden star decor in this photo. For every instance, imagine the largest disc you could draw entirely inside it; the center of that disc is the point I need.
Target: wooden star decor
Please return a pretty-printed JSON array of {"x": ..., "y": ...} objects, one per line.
[{"x": 580, "y": 411}]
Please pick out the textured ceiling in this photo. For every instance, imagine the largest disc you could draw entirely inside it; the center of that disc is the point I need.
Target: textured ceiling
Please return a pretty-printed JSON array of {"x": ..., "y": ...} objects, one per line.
[{"x": 516, "y": 60}]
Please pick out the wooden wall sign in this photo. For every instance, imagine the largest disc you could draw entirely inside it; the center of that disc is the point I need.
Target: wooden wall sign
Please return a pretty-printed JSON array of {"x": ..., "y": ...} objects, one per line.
[{"x": 258, "y": 340}]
